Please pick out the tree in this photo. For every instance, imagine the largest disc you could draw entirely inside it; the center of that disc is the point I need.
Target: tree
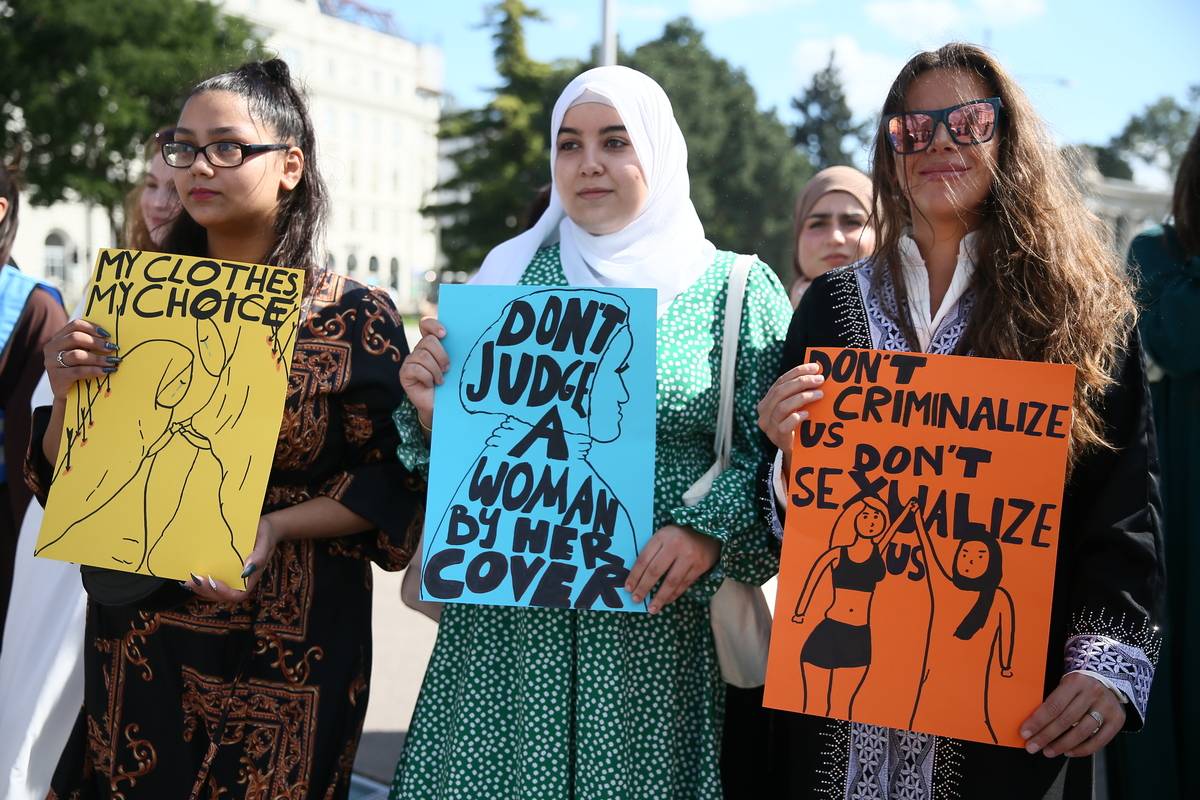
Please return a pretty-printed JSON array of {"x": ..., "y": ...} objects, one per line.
[
  {"x": 1159, "y": 135},
  {"x": 825, "y": 120},
  {"x": 500, "y": 153},
  {"x": 1108, "y": 160},
  {"x": 744, "y": 171},
  {"x": 87, "y": 81}
]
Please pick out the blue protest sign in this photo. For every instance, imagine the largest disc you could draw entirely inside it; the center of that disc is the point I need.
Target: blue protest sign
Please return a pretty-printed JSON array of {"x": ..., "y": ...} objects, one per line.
[{"x": 541, "y": 474}]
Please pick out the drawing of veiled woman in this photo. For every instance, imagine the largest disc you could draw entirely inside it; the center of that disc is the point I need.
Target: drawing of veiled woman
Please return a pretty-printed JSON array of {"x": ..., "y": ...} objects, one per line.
[{"x": 533, "y": 522}]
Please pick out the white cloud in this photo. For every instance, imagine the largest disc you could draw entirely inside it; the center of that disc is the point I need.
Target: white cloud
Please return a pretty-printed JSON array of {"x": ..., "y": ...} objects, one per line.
[
  {"x": 866, "y": 76},
  {"x": 916, "y": 21},
  {"x": 715, "y": 10},
  {"x": 930, "y": 23}
]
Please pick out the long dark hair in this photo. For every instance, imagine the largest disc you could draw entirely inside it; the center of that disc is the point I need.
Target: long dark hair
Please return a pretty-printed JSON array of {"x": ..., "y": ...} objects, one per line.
[
  {"x": 986, "y": 584},
  {"x": 1048, "y": 284},
  {"x": 1186, "y": 204},
  {"x": 8, "y": 226},
  {"x": 274, "y": 100}
]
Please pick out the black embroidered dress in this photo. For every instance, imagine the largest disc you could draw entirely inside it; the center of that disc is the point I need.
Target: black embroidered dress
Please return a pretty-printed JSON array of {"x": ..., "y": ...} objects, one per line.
[
  {"x": 184, "y": 698},
  {"x": 1107, "y": 587}
]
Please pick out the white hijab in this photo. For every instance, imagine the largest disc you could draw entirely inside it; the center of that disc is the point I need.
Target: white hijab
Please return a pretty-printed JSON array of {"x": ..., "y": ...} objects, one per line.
[{"x": 664, "y": 247}]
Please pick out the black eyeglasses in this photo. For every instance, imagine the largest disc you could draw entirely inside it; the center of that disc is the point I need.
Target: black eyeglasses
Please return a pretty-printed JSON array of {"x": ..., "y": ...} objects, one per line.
[
  {"x": 182, "y": 155},
  {"x": 972, "y": 122}
]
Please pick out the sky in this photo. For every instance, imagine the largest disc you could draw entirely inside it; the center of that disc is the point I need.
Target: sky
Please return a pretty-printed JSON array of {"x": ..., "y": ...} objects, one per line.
[{"x": 1088, "y": 65}]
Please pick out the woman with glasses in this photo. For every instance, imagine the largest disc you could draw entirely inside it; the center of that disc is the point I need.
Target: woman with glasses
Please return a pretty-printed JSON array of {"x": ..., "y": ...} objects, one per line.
[
  {"x": 986, "y": 249},
  {"x": 206, "y": 690}
]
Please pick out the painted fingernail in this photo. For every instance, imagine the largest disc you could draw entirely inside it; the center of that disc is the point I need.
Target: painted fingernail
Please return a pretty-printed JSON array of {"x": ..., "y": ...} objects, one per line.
[
  {"x": 1026, "y": 734},
  {"x": 1048, "y": 753},
  {"x": 195, "y": 578},
  {"x": 1031, "y": 747},
  {"x": 653, "y": 609},
  {"x": 102, "y": 332},
  {"x": 113, "y": 359},
  {"x": 211, "y": 582},
  {"x": 185, "y": 585},
  {"x": 112, "y": 345},
  {"x": 110, "y": 369},
  {"x": 817, "y": 394},
  {"x": 249, "y": 570}
]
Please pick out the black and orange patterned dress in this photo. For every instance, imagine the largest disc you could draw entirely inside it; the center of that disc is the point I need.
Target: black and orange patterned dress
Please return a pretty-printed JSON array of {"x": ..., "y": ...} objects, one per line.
[{"x": 186, "y": 698}]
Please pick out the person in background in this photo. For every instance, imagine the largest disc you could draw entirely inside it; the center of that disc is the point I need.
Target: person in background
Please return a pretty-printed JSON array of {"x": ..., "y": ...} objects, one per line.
[
  {"x": 986, "y": 248},
  {"x": 1166, "y": 264},
  {"x": 201, "y": 689},
  {"x": 30, "y": 311},
  {"x": 833, "y": 225},
  {"x": 152, "y": 205}
]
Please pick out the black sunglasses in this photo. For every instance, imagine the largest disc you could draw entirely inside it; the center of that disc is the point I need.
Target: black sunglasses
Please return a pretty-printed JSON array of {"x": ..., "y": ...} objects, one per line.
[
  {"x": 972, "y": 122},
  {"x": 182, "y": 155}
]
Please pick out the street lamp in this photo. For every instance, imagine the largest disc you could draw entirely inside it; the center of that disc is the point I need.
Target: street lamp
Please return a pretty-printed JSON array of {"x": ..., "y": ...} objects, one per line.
[{"x": 608, "y": 28}]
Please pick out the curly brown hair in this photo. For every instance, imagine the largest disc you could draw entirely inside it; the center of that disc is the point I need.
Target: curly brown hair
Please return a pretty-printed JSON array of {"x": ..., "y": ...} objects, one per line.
[{"x": 1049, "y": 286}]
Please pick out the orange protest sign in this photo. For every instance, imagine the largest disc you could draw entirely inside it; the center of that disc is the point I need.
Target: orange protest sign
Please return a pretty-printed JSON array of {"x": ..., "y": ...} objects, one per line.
[{"x": 920, "y": 543}]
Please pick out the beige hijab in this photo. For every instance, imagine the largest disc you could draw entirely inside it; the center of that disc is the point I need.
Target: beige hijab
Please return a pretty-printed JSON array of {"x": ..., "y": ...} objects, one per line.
[{"x": 831, "y": 179}]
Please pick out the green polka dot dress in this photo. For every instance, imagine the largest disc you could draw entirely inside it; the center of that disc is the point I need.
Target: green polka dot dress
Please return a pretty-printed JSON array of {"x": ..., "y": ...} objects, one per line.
[{"x": 551, "y": 704}]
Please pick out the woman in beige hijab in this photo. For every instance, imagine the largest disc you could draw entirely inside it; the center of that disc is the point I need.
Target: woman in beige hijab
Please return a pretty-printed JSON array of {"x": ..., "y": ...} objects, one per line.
[{"x": 833, "y": 225}]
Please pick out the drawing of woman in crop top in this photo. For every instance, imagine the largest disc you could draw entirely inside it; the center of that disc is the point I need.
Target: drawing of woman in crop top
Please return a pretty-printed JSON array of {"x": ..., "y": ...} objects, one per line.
[{"x": 838, "y": 650}]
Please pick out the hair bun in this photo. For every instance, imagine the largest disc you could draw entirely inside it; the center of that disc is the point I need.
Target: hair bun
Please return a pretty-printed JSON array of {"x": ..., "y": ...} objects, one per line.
[{"x": 276, "y": 69}]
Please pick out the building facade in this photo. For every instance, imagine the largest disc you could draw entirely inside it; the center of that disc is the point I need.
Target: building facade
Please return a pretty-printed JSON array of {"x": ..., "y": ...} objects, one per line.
[{"x": 375, "y": 100}]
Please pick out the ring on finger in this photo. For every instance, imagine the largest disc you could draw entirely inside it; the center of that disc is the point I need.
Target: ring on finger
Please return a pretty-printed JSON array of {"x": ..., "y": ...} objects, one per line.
[
  {"x": 1096, "y": 715},
  {"x": 61, "y": 362}
]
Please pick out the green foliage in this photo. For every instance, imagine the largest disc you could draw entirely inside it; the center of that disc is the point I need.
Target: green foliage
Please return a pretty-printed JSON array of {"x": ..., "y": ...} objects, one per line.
[
  {"x": 1159, "y": 135},
  {"x": 87, "y": 81},
  {"x": 744, "y": 170},
  {"x": 826, "y": 123},
  {"x": 500, "y": 152},
  {"x": 1109, "y": 161}
]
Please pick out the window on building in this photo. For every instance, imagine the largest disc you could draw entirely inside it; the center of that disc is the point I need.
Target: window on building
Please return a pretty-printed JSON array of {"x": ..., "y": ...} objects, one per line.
[
  {"x": 373, "y": 266},
  {"x": 394, "y": 274},
  {"x": 56, "y": 257},
  {"x": 351, "y": 264},
  {"x": 330, "y": 262}
]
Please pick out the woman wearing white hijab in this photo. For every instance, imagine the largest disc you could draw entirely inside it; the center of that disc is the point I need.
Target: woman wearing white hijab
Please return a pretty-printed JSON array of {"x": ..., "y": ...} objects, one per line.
[{"x": 549, "y": 703}]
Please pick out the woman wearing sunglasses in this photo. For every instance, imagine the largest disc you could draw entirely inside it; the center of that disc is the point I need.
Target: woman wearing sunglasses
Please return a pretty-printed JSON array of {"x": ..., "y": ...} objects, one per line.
[{"x": 986, "y": 249}]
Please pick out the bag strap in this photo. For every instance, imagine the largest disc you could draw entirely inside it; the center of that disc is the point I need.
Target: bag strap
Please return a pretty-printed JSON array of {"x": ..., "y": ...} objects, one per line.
[{"x": 738, "y": 276}]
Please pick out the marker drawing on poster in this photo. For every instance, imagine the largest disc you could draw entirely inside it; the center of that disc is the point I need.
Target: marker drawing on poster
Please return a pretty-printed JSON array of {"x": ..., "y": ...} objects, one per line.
[
  {"x": 163, "y": 464},
  {"x": 920, "y": 544},
  {"x": 558, "y": 385}
]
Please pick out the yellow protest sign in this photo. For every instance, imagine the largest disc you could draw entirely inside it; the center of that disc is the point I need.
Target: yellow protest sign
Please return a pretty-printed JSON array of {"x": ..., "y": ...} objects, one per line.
[{"x": 163, "y": 465}]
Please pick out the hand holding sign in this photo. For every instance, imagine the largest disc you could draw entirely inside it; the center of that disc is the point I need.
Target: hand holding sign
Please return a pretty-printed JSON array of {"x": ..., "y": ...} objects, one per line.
[
  {"x": 79, "y": 351},
  {"x": 425, "y": 368},
  {"x": 675, "y": 555},
  {"x": 782, "y": 410}
]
